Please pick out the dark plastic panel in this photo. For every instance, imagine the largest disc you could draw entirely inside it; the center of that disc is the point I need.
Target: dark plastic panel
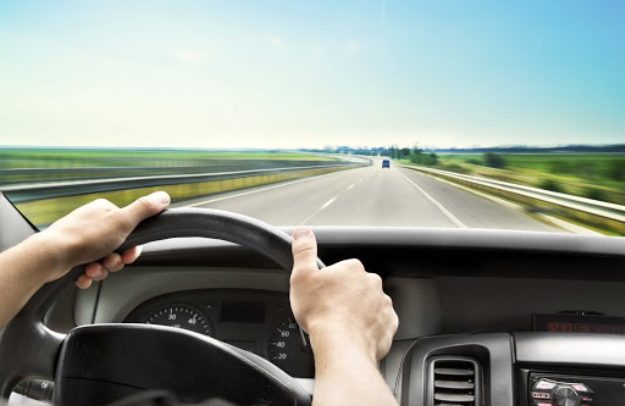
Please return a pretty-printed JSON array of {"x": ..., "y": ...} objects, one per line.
[{"x": 492, "y": 351}]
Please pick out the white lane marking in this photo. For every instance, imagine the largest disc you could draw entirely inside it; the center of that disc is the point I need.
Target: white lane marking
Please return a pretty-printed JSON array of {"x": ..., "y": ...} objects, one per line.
[
  {"x": 351, "y": 186},
  {"x": 261, "y": 189},
  {"x": 565, "y": 225},
  {"x": 478, "y": 193},
  {"x": 329, "y": 202},
  {"x": 319, "y": 210},
  {"x": 442, "y": 208}
]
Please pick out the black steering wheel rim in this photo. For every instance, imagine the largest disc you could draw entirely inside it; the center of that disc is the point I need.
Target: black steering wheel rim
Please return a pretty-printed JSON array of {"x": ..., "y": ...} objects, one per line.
[{"x": 29, "y": 348}]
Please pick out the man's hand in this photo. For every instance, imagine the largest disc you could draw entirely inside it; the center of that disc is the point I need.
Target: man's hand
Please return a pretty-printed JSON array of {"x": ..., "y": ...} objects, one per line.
[
  {"x": 340, "y": 299},
  {"x": 92, "y": 232},
  {"x": 351, "y": 323}
]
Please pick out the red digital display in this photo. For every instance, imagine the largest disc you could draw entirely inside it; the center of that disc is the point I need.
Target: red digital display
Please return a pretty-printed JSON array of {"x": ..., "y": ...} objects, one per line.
[{"x": 566, "y": 323}]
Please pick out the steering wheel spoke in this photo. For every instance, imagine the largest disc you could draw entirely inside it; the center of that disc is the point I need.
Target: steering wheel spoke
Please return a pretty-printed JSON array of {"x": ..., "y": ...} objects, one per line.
[{"x": 28, "y": 348}]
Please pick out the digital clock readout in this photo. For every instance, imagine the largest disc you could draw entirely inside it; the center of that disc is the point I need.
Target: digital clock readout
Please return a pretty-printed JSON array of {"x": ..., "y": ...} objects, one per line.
[
  {"x": 567, "y": 327},
  {"x": 566, "y": 323}
]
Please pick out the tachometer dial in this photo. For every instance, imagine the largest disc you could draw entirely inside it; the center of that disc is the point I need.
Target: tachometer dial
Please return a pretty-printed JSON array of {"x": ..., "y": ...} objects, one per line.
[
  {"x": 289, "y": 349},
  {"x": 181, "y": 316}
]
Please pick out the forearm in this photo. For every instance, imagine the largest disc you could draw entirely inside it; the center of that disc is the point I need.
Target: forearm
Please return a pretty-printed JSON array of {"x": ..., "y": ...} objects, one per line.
[
  {"x": 23, "y": 270},
  {"x": 346, "y": 375}
]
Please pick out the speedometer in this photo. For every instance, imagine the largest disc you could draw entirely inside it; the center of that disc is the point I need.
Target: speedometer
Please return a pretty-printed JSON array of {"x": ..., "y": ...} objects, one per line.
[
  {"x": 181, "y": 316},
  {"x": 289, "y": 349}
]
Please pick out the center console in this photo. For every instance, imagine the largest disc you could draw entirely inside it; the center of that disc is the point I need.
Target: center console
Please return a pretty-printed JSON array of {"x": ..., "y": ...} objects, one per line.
[
  {"x": 547, "y": 389},
  {"x": 524, "y": 369}
]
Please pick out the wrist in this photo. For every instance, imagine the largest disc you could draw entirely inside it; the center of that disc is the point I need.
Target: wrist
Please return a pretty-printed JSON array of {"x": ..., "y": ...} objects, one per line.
[
  {"x": 53, "y": 256},
  {"x": 334, "y": 339}
]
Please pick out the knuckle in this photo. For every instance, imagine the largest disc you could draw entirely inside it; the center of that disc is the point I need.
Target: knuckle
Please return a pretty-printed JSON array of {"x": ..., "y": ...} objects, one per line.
[
  {"x": 395, "y": 323},
  {"x": 107, "y": 204},
  {"x": 303, "y": 250},
  {"x": 376, "y": 280},
  {"x": 355, "y": 263},
  {"x": 102, "y": 202}
]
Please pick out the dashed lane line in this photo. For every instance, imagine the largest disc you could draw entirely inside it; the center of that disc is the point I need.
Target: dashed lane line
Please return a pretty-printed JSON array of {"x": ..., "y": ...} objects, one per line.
[
  {"x": 258, "y": 190},
  {"x": 320, "y": 209}
]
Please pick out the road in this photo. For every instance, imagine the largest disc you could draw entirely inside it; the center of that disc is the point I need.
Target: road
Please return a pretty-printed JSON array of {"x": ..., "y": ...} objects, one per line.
[{"x": 371, "y": 196}]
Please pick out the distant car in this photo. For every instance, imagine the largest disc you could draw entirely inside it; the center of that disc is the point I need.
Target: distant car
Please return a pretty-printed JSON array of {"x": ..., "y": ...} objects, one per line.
[{"x": 386, "y": 163}]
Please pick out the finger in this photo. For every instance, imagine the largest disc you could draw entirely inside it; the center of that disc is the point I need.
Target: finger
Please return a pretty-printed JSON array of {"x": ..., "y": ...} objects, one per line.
[
  {"x": 83, "y": 282},
  {"x": 130, "y": 255},
  {"x": 94, "y": 270},
  {"x": 102, "y": 276},
  {"x": 112, "y": 262},
  {"x": 304, "y": 247},
  {"x": 146, "y": 206}
]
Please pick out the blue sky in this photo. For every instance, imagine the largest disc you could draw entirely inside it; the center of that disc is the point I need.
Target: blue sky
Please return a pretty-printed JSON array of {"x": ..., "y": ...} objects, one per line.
[{"x": 294, "y": 74}]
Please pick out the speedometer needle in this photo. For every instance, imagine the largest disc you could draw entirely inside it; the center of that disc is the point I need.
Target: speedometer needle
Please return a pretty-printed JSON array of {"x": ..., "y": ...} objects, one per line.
[{"x": 301, "y": 334}]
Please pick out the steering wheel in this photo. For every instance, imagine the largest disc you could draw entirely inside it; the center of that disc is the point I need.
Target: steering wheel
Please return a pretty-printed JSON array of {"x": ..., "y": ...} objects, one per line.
[{"x": 98, "y": 364}]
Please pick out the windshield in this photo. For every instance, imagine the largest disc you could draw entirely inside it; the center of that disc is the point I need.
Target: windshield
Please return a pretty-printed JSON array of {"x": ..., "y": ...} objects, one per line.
[{"x": 384, "y": 113}]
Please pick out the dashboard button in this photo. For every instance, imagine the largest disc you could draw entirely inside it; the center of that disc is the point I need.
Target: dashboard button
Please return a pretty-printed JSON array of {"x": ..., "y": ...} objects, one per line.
[
  {"x": 541, "y": 395},
  {"x": 544, "y": 384},
  {"x": 580, "y": 387},
  {"x": 566, "y": 396}
]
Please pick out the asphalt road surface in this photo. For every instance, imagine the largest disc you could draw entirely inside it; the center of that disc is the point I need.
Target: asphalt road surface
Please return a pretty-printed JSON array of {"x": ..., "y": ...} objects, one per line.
[{"x": 371, "y": 196}]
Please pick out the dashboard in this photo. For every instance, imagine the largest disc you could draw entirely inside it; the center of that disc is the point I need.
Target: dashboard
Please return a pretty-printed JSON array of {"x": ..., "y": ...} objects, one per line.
[
  {"x": 257, "y": 321},
  {"x": 497, "y": 308}
]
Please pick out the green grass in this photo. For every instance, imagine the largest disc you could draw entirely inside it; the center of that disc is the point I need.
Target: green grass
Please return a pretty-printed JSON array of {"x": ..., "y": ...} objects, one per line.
[
  {"x": 59, "y": 164},
  {"x": 11, "y": 158},
  {"x": 28, "y": 165},
  {"x": 46, "y": 211},
  {"x": 589, "y": 175}
]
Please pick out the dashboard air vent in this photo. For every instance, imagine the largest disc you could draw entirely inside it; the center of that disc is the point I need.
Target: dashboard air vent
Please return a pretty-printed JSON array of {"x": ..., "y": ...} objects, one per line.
[{"x": 454, "y": 381}]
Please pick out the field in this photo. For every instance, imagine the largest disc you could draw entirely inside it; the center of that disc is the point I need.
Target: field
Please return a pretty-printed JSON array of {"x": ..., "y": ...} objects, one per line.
[
  {"x": 21, "y": 166},
  {"x": 103, "y": 157},
  {"x": 28, "y": 165},
  {"x": 596, "y": 176}
]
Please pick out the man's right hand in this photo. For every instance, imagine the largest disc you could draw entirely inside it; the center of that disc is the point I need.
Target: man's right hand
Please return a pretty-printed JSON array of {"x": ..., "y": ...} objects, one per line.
[{"x": 341, "y": 303}]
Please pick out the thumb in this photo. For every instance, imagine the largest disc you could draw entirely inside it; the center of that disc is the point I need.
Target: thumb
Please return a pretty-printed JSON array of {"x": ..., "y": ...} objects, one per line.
[
  {"x": 304, "y": 249},
  {"x": 146, "y": 206}
]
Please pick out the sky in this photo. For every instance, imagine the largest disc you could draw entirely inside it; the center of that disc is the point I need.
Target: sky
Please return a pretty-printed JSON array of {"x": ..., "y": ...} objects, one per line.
[{"x": 295, "y": 74}]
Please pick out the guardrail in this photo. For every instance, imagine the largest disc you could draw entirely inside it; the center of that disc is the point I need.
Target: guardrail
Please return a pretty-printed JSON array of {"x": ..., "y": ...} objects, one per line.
[
  {"x": 47, "y": 190},
  {"x": 16, "y": 176},
  {"x": 586, "y": 209}
]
